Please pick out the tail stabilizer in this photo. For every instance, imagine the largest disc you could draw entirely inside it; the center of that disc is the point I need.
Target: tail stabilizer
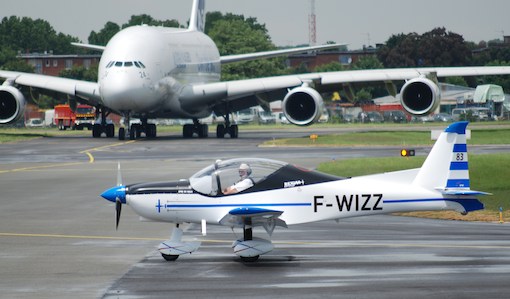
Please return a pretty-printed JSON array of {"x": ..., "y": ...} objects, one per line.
[
  {"x": 446, "y": 168},
  {"x": 197, "y": 19}
]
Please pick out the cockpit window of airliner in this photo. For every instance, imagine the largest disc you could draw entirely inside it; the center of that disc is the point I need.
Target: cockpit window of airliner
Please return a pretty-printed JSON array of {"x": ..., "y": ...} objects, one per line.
[
  {"x": 118, "y": 63},
  {"x": 128, "y": 63}
]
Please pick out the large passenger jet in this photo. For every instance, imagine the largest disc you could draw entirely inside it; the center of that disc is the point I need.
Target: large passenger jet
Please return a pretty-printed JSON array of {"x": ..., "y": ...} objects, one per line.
[{"x": 157, "y": 72}]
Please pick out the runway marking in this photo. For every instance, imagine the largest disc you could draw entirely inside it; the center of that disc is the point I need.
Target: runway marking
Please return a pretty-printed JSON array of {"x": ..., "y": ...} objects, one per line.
[
  {"x": 76, "y": 237},
  {"x": 315, "y": 243},
  {"x": 87, "y": 152},
  {"x": 40, "y": 167},
  {"x": 91, "y": 158},
  {"x": 99, "y": 148}
]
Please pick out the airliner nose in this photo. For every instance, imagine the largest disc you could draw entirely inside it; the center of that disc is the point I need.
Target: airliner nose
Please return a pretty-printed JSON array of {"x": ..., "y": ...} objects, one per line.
[{"x": 114, "y": 193}]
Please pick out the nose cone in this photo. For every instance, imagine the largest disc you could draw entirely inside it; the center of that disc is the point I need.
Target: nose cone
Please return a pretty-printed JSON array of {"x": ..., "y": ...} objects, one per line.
[
  {"x": 121, "y": 90},
  {"x": 116, "y": 192}
]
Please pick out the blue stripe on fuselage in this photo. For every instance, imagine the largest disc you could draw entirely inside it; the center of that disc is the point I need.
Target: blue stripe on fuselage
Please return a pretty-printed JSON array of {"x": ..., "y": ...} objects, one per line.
[{"x": 168, "y": 206}]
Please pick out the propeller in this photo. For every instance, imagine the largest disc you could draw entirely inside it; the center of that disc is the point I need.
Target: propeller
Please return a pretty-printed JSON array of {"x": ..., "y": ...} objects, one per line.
[
  {"x": 118, "y": 209},
  {"x": 116, "y": 195},
  {"x": 118, "y": 203}
]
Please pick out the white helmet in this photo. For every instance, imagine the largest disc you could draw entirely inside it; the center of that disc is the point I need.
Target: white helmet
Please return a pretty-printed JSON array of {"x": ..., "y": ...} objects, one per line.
[{"x": 245, "y": 167}]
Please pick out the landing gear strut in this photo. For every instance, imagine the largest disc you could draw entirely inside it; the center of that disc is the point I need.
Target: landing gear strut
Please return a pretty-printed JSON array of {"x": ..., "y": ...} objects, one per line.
[
  {"x": 103, "y": 127},
  {"x": 248, "y": 236}
]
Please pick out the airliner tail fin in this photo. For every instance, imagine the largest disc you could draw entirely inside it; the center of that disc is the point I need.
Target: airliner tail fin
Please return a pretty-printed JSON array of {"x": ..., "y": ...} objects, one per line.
[{"x": 197, "y": 19}]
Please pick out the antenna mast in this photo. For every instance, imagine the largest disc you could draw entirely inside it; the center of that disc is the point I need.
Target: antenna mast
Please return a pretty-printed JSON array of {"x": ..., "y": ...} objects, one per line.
[{"x": 312, "y": 34}]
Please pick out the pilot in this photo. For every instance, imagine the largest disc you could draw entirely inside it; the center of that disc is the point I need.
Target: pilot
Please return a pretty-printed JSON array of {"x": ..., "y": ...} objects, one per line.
[{"x": 244, "y": 182}]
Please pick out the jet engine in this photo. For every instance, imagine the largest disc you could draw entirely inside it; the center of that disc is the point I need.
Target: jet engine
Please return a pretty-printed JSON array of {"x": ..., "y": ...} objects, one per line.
[
  {"x": 303, "y": 106},
  {"x": 420, "y": 96},
  {"x": 12, "y": 104}
]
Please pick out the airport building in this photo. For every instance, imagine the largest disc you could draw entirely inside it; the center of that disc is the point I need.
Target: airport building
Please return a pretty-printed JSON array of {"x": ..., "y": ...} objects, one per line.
[
  {"x": 49, "y": 64},
  {"x": 314, "y": 59}
]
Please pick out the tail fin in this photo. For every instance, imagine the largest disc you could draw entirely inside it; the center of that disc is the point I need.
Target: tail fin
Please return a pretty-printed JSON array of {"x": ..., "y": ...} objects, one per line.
[
  {"x": 197, "y": 19},
  {"x": 446, "y": 168}
]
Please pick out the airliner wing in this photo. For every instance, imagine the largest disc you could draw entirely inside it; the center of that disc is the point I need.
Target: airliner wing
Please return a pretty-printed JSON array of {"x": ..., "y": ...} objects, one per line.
[
  {"x": 242, "y": 94},
  {"x": 276, "y": 53},
  {"x": 89, "y": 46},
  {"x": 88, "y": 91}
]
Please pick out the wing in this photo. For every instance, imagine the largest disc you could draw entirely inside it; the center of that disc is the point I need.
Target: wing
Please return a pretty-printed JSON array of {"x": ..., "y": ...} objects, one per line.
[
  {"x": 275, "y": 53},
  {"x": 89, "y": 46},
  {"x": 253, "y": 216},
  {"x": 242, "y": 94},
  {"x": 87, "y": 91}
]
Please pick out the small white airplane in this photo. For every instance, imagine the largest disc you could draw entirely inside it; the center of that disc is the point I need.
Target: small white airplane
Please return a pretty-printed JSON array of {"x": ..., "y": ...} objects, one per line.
[
  {"x": 156, "y": 72},
  {"x": 280, "y": 194}
]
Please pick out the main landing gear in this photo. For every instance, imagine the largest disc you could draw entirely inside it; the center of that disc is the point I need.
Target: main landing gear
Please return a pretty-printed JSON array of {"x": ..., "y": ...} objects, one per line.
[
  {"x": 202, "y": 130},
  {"x": 135, "y": 130},
  {"x": 103, "y": 126},
  {"x": 171, "y": 249},
  {"x": 249, "y": 249},
  {"x": 227, "y": 128}
]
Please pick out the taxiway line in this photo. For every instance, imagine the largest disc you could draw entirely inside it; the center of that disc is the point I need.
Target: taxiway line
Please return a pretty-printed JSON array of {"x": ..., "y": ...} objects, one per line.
[
  {"x": 40, "y": 167},
  {"x": 99, "y": 148}
]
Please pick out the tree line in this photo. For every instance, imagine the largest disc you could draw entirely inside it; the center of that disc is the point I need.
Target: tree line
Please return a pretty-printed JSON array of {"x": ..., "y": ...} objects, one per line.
[{"x": 236, "y": 34}]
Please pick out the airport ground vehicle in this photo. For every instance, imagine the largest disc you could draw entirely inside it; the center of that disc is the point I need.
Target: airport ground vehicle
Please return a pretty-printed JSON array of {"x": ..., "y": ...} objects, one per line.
[
  {"x": 471, "y": 114},
  {"x": 396, "y": 116},
  {"x": 370, "y": 117},
  {"x": 34, "y": 122},
  {"x": 83, "y": 117}
]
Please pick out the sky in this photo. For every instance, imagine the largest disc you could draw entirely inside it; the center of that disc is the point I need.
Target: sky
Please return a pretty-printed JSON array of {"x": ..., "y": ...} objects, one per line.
[{"x": 356, "y": 23}]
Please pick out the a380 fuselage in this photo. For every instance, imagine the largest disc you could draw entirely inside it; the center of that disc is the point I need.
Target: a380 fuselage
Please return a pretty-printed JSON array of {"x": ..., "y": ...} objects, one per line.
[{"x": 143, "y": 70}]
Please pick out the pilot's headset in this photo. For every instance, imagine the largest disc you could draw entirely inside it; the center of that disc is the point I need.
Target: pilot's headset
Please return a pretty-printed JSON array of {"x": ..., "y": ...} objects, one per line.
[{"x": 246, "y": 167}]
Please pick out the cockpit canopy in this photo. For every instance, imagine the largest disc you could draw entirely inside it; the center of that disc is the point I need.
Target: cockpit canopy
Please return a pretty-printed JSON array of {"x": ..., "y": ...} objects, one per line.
[
  {"x": 222, "y": 174},
  {"x": 266, "y": 175}
]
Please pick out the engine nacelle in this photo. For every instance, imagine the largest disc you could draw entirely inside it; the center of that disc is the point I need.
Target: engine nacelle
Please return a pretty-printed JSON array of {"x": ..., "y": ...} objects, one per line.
[
  {"x": 12, "y": 104},
  {"x": 420, "y": 96},
  {"x": 303, "y": 106}
]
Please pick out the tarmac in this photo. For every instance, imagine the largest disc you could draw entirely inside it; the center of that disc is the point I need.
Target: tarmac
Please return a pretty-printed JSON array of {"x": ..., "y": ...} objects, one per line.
[{"x": 58, "y": 237}]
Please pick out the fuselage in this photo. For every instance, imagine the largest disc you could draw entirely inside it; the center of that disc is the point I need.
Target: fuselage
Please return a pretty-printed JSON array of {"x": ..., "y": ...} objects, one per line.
[
  {"x": 299, "y": 204},
  {"x": 143, "y": 69}
]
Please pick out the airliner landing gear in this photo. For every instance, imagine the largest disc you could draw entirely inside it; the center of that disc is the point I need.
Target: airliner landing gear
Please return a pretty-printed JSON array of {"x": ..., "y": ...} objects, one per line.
[
  {"x": 202, "y": 130},
  {"x": 135, "y": 130},
  {"x": 227, "y": 128},
  {"x": 103, "y": 127},
  {"x": 122, "y": 130},
  {"x": 171, "y": 249}
]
